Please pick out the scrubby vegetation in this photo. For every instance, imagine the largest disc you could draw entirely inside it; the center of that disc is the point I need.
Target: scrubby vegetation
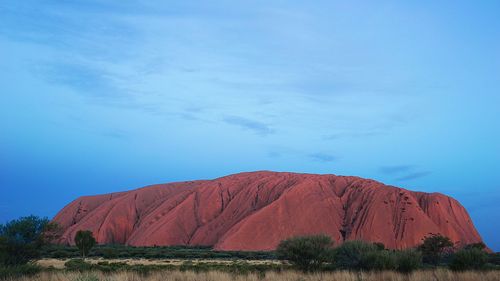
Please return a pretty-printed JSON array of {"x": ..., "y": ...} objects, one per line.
[
  {"x": 434, "y": 247},
  {"x": 160, "y": 252},
  {"x": 466, "y": 259},
  {"x": 236, "y": 267},
  {"x": 363, "y": 256},
  {"x": 307, "y": 253},
  {"x": 21, "y": 240},
  {"x": 27, "y": 239}
]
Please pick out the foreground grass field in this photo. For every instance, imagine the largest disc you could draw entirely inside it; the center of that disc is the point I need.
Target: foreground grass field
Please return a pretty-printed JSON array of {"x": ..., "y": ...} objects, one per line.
[{"x": 423, "y": 275}]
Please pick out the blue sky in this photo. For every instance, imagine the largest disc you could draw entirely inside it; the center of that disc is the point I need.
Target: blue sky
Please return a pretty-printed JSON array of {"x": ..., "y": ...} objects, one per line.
[{"x": 101, "y": 96}]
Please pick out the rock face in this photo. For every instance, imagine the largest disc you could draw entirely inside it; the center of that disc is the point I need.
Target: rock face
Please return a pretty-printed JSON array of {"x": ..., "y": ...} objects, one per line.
[{"x": 255, "y": 211}]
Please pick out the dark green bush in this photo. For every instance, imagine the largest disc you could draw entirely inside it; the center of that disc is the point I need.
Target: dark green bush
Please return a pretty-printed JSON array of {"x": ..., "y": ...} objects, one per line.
[
  {"x": 378, "y": 260},
  {"x": 9, "y": 272},
  {"x": 61, "y": 254},
  {"x": 471, "y": 258},
  {"x": 478, "y": 245},
  {"x": 350, "y": 255},
  {"x": 379, "y": 245},
  {"x": 494, "y": 258},
  {"x": 167, "y": 252},
  {"x": 408, "y": 260},
  {"x": 78, "y": 265},
  {"x": 21, "y": 240},
  {"x": 307, "y": 253},
  {"x": 433, "y": 248},
  {"x": 359, "y": 255}
]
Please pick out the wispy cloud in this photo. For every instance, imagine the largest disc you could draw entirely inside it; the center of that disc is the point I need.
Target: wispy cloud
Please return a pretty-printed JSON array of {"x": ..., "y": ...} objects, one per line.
[
  {"x": 336, "y": 136},
  {"x": 273, "y": 154},
  {"x": 322, "y": 157},
  {"x": 413, "y": 176},
  {"x": 480, "y": 200},
  {"x": 396, "y": 169},
  {"x": 404, "y": 172},
  {"x": 249, "y": 124},
  {"x": 84, "y": 79}
]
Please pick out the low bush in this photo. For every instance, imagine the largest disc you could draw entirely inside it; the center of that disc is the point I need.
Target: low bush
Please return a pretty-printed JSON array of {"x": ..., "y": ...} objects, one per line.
[
  {"x": 21, "y": 240},
  {"x": 62, "y": 254},
  {"x": 494, "y": 258},
  {"x": 307, "y": 253},
  {"x": 350, "y": 255},
  {"x": 408, "y": 260},
  {"x": 470, "y": 258},
  {"x": 9, "y": 272},
  {"x": 78, "y": 265},
  {"x": 166, "y": 252},
  {"x": 378, "y": 260},
  {"x": 434, "y": 248},
  {"x": 109, "y": 253}
]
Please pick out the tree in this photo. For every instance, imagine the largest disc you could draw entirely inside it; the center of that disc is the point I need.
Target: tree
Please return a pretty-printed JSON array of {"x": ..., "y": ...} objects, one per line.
[
  {"x": 22, "y": 239},
  {"x": 308, "y": 253},
  {"x": 433, "y": 247},
  {"x": 84, "y": 240}
]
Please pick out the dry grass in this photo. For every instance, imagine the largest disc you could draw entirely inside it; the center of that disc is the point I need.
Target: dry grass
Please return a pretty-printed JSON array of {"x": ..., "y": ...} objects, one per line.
[{"x": 436, "y": 275}]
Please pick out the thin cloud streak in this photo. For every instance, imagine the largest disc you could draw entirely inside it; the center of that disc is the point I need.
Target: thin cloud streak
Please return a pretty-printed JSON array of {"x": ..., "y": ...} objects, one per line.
[
  {"x": 83, "y": 79},
  {"x": 322, "y": 157},
  {"x": 249, "y": 124},
  {"x": 396, "y": 169},
  {"x": 413, "y": 176}
]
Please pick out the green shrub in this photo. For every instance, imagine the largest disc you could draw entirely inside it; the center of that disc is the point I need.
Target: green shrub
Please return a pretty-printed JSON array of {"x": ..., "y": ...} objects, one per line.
[
  {"x": 168, "y": 252},
  {"x": 408, "y": 260},
  {"x": 78, "y": 265},
  {"x": 307, "y": 253},
  {"x": 378, "y": 260},
  {"x": 21, "y": 240},
  {"x": 379, "y": 245},
  {"x": 433, "y": 248},
  {"x": 18, "y": 271},
  {"x": 478, "y": 245},
  {"x": 350, "y": 255},
  {"x": 494, "y": 258},
  {"x": 58, "y": 252},
  {"x": 61, "y": 254},
  {"x": 471, "y": 258}
]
